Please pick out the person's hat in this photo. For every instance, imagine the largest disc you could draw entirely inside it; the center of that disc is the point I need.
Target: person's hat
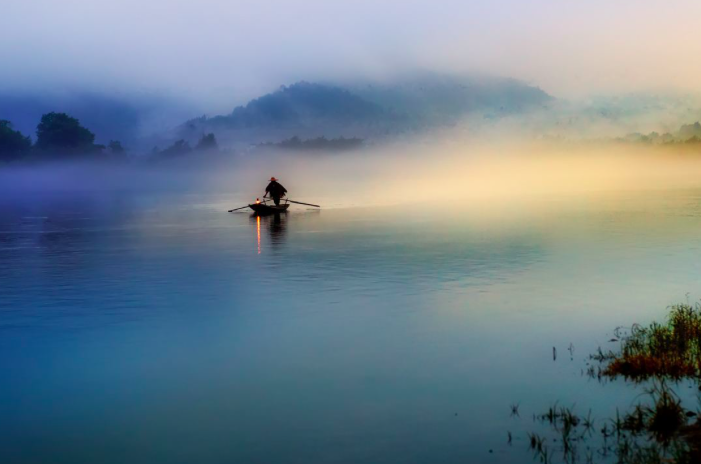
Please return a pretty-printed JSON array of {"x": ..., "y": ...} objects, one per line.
[{"x": 272, "y": 179}]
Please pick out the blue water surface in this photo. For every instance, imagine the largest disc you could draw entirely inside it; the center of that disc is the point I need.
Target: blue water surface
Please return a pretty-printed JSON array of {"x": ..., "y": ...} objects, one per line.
[{"x": 158, "y": 328}]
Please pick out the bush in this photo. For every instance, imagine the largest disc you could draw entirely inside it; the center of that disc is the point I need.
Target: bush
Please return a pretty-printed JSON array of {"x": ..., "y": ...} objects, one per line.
[
  {"x": 13, "y": 145},
  {"x": 61, "y": 134}
]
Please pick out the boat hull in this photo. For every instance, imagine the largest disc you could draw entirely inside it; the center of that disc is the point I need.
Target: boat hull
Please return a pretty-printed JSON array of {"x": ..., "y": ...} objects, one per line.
[{"x": 261, "y": 208}]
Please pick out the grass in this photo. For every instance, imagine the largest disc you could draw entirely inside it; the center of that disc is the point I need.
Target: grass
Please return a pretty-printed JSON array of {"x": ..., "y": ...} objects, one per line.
[
  {"x": 658, "y": 428},
  {"x": 670, "y": 350}
]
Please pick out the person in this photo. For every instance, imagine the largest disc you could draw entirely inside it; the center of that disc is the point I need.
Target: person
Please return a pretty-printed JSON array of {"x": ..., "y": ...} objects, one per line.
[{"x": 275, "y": 190}]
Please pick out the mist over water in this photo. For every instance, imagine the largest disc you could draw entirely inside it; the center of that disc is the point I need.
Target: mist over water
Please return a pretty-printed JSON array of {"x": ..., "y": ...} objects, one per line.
[
  {"x": 147, "y": 324},
  {"x": 459, "y": 172}
]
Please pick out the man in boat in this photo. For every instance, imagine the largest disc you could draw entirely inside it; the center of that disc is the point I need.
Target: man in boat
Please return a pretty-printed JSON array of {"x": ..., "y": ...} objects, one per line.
[{"x": 275, "y": 190}]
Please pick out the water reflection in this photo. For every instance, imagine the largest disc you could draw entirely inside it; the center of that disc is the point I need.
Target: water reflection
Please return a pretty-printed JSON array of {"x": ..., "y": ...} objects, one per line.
[
  {"x": 275, "y": 225},
  {"x": 394, "y": 320},
  {"x": 258, "y": 230}
]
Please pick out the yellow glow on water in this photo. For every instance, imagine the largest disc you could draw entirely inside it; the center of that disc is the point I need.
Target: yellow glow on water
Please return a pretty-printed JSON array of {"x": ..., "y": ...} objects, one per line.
[
  {"x": 459, "y": 173},
  {"x": 258, "y": 231}
]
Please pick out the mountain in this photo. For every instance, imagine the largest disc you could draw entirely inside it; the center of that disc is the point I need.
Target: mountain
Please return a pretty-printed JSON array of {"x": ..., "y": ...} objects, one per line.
[
  {"x": 303, "y": 109},
  {"x": 431, "y": 98},
  {"x": 308, "y": 111},
  {"x": 301, "y": 104},
  {"x": 365, "y": 110}
]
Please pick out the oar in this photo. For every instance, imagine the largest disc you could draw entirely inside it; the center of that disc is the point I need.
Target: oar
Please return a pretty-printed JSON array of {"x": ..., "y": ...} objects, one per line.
[
  {"x": 236, "y": 209},
  {"x": 307, "y": 204}
]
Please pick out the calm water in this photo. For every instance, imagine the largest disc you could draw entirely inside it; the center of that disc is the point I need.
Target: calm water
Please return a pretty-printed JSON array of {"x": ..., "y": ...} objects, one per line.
[{"x": 157, "y": 328}]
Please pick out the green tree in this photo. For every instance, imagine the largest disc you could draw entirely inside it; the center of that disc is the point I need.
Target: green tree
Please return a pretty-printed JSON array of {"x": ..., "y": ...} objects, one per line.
[
  {"x": 115, "y": 147},
  {"x": 207, "y": 143},
  {"x": 115, "y": 152},
  {"x": 58, "y": 132},
  {"x": 179, "y": 148},
  {"x": 13, "y": 145}
]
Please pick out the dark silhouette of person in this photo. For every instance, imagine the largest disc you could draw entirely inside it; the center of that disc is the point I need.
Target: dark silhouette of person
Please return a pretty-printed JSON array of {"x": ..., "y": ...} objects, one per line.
[{"x": 275, "y": 190}]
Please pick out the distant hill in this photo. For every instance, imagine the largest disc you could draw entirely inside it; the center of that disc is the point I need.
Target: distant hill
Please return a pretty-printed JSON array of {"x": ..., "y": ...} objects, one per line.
[
  {"x": 308, "y": 111},
  {"x": 432, "y": 98},
  {"x": 303, "y": 109},
  {"x": 301, "y": 104},
  {"x": 311, "y": 110}
]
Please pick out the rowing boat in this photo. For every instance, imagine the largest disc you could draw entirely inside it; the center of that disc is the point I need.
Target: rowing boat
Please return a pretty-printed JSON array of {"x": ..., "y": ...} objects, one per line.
[{"x": 262, "y": 208}]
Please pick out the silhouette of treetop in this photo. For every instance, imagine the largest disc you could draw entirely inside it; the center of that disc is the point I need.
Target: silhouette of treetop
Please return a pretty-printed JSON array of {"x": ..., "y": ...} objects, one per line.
[
  {"x": 58, "y": 131},
  {"x": 13, "y": 144}
]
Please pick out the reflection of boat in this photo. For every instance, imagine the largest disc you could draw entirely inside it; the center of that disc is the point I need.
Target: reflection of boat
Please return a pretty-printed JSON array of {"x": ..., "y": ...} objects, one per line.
[
  {"x": 275, "y": 224},
  {"x": 262, "y": 208}
]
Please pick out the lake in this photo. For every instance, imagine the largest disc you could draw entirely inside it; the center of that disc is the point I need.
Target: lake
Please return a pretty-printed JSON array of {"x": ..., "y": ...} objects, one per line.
[{"x": 158, "y": 328}]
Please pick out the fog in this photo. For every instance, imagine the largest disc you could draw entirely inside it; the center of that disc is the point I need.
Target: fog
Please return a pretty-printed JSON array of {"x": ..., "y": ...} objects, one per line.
[
  {"x": 478, "y": 173},
  {"x": 219, "y": 53},
  {"x": 209, "y": 56},
  {"x": 450, "y": 171}
]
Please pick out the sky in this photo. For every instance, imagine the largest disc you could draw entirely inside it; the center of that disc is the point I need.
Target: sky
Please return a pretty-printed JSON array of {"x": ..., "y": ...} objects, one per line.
[{"x": 232, "y": 50}]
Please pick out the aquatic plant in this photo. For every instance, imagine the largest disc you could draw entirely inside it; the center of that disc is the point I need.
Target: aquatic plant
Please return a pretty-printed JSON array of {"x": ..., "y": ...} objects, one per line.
[
  {"x": 670, "y": 350},
  {"x": 658, "y": 428},
  {"x": 514, "y": 409}
]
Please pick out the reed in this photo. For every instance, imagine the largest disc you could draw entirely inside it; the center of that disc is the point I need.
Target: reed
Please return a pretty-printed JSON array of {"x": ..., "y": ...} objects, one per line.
[
  {"x": 669, "y": 350},
  {"x": 656, "y": 430}
]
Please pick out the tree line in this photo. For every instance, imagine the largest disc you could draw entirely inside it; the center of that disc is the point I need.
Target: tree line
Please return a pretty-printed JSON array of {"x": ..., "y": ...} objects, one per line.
[
  {"x": 317, "y": 144},
  {"x": 62, "y": 137},
  {"x": 58, "y": 136}
]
